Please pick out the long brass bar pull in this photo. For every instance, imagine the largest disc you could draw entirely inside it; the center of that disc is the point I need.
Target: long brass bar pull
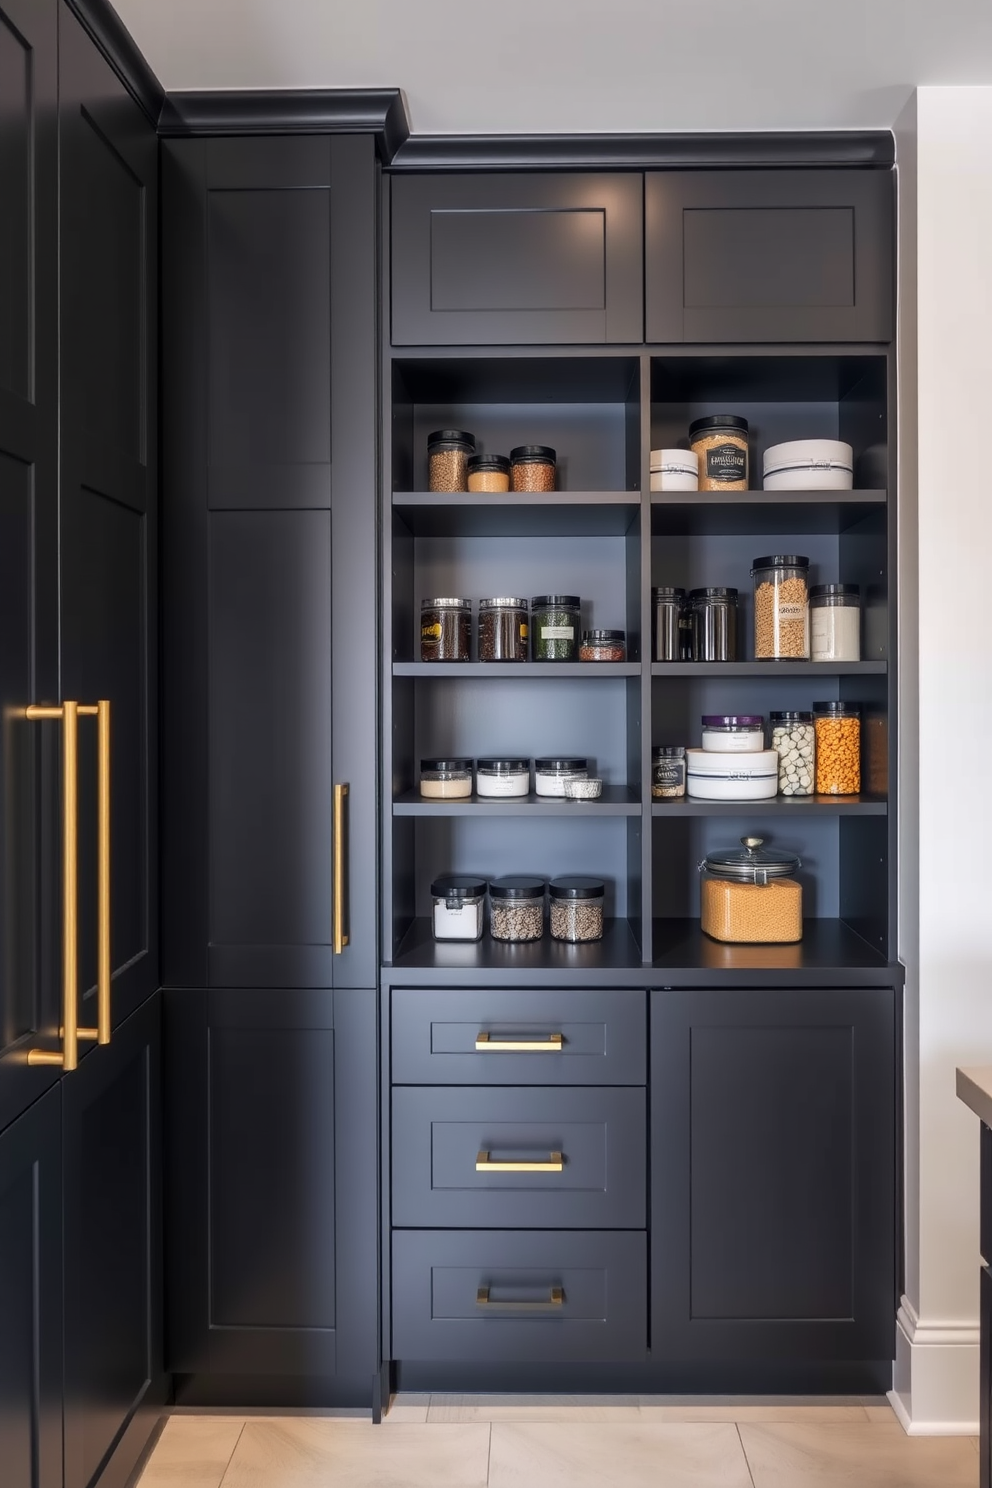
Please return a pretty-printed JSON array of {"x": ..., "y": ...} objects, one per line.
[
  {"x": 69, "y": 1057},
  {"x": 486, "y": 1044},
  {"x": 338, "y": 869},
  {"x": 556, "y": 1298},
  {"x": 485, "y": 1163},
  {"x": 101, "y": 711}
]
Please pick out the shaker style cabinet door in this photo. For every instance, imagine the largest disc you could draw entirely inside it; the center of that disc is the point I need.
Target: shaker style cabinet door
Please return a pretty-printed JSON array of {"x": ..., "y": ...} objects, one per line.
[
  {"x": 769, "y": 255},
  {"x": 498, "y": 259}
]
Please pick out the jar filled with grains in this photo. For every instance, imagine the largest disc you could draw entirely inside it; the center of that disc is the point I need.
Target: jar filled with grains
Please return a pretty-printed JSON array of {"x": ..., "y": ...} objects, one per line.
[
  {"x": 838, "y": 748},
  {"x": 448, "y": 452},
  {"x": 781, "y": 607},
  {"x": 445, "y": 629},
  {"x": 669, "y": 603},
  {"x": 457, "y": 906},
  {"x": 516, "y": 907},
  {"x": 835, "y": 622},
  {"x": 714, "y": 624},
  {"x": 751, "y": 896},
  {"x": 721, "y": 444},
  {"x": 502, "y": 629},
  {"x": 554, "y": 627},
  {"x": 577, "y": 907},
  {"x": 668, "y": 772},
  {"x": 489, "y": 473},
  {"x": 532, "y": 467},
  {"x": 445, "y": 779},
  {"x": 793, "y": 739},
  {"x": 603, "y": 645}
]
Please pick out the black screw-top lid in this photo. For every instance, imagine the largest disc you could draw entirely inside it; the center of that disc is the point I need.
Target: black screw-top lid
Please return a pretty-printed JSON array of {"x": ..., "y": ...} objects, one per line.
[
  {"x": 451, "y": 436},
  {"x": 667, "y": 591},
  {"x": 602, "y": 637},
  {"x": 713, "y": 593},
  {"x": 718, "y": 421},
  {"x": 818, "y": 591},
  {"x": 503, "y": 764},
  {"x": 445, "y": 764},
  {"x": 516, "y": 886},
  {"x": 458, "y": 886},
  {"x": 552, "y": 766},
  {"x": 790, "y": 716},
  {"x": 489, "y": 462},
  {"x": 533, "y": 452},
  {"x": 577, "y": 886},
  {"x": 781, "y": 560},
  {"x": 555, "y": 602},
  {"x": 837, "y": 710}
]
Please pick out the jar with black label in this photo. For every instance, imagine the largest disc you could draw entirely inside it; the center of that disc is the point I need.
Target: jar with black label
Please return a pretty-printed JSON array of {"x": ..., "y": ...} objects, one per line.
[
  {"x": 668, "y": 772},
  {"x": 714, "y": 624},
  {"x": 445, "y": 629},
  {"x": 554, "y": 627},
  {"x": 502, "y": 629},
  {"x": 721, "y": 444},
  {"x": 448, "y": 452},
  {"x": 668, "y": 606}
]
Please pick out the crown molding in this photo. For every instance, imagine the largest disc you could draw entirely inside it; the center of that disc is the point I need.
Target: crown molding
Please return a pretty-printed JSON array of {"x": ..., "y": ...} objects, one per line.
[
  {"x": 108, "y": 31},
  {"x": 379, "y": 111}
]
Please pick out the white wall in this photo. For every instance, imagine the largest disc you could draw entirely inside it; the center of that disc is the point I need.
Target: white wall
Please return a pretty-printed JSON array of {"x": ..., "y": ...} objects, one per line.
[{"x": 944, "y": 153}]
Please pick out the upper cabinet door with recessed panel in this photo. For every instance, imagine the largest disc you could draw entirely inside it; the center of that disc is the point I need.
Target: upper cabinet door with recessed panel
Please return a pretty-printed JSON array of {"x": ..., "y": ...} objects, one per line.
[
  {"x": 504, "y": 259},
  {"x": 769, "y": 256}
]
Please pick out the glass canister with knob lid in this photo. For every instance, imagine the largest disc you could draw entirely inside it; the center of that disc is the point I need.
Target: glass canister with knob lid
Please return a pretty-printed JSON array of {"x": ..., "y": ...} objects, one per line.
[{"x": 751, "y": 896}]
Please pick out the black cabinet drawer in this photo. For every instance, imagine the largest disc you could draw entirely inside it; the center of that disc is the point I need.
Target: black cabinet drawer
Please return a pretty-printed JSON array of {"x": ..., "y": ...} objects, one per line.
[
  {"x": 500, "y": 1037},
  {"x": 769, "y": 256},
  {"x": 497, "y": 259},
  {"x": 521, "y": 1157},
  {"x": 542, "y": 1296}
]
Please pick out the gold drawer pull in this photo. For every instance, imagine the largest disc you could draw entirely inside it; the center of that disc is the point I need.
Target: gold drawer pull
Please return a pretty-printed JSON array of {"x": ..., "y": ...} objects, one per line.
[
  {"x": 485, "y": 1164},
  {"x": 556, "y": 1298},
  {"x": 486, "y": 1044}
]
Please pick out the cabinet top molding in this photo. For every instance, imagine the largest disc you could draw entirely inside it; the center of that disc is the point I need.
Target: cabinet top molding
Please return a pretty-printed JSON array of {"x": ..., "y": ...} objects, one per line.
[
  {"x": 118, "y": 46},
  {"x": 379, "y": 111}
]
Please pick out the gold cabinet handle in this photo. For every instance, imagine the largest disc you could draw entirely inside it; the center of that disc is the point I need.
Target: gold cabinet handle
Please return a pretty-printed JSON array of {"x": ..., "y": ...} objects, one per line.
[
  {"x": 338, "y": 870},
  {"x": 556, "y": 1298},
  {"x": 486, "y": 1044},
  {"x": 485, "y": 1163}
]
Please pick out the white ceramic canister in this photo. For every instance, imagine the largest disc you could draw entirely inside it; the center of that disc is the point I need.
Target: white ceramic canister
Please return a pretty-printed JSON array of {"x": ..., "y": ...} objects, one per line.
[
  {"x": 674, "y": 470},
  {"x": 809, "y": 465},
  {"x": 722, "y": 777}
]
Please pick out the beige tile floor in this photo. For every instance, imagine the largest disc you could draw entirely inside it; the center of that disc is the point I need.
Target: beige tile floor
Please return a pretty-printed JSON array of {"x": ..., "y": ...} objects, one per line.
[{"x": 565, "y": 1441}]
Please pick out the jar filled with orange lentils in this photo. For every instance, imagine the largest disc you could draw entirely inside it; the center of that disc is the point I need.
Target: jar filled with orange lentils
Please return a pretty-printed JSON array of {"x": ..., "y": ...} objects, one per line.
[
  {"x": 838, "y": 748},
  {"x": 751, "y": 896}
]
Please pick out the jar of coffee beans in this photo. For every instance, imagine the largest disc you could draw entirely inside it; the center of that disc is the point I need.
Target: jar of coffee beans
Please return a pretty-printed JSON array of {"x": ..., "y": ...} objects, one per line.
[
  {"x": 577, "y": 907},
  {"x": 448, "y": 452},
  {"x": 502, "y": 630},
  {"x": 532, "y": 467},
  {"x": 445, "y": 629},
  {"x": 516, "y": 907}
]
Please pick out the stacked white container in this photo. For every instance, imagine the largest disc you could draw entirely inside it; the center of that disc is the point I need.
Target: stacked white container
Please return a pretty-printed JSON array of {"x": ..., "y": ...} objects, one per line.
[{"x": 733, "y": 764}]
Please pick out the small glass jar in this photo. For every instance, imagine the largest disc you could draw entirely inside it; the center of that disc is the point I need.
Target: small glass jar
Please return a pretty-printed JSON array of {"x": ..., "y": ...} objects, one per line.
[
  {"x": 733, "y": 733},
  {"x": 448, "y": 452},
  {"x": 502, "y": 630},
  {"x": 533, "y": 467},
  {"x": 577, "y": 908},
  {"x": 502, "y": 777},
  {"x": 721, "y": 444},
  {"x": 583, "y": 787},
  {"x": 445, "y": 779},
  {"x": 838, "y": 748},
  {"x": 669, "y": 604},
  {"x": 516, "y": 907},
  {"x": 554, "y": 627},
  {"x": 668, "y": 772},
  {"x": 489, "y": 473},
  {"x": 714, "y": 624},
  {"x": 458, "y": 902},
  {"x": 794, "y": 740},
  {"x": 445, "y": 629},
  {"x": 603, "y": 645},
  {"x": 550, "y": 774},
  {"x": 781, "y": 607},
  {"x": 751, "y": 897},
  {"x": 835, "y": 622}
]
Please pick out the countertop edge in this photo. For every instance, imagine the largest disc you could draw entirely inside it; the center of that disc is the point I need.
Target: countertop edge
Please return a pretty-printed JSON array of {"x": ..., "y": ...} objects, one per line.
[{"x": 974, "y": 1087}]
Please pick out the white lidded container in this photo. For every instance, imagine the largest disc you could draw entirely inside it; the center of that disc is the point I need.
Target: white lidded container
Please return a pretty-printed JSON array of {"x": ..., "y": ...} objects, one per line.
[
  {"x": 809, "y": 465},
  {"x": 674, "y": 470},
  {"x": 724, "y": 777}
]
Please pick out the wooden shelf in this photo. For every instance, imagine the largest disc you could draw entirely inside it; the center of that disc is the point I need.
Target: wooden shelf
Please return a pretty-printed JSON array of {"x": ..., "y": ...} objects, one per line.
[
  {"x": 523, "y": 671},
  {"x": 769, "y": 669},
  {"x": 782, "y": 806},
  {"x": 515, "y": 514},
  {"x": 741, "y": 513},
  {"x": 616, "y": 800}
]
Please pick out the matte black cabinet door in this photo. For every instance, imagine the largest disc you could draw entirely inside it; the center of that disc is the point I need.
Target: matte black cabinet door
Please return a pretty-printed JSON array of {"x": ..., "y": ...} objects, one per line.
[
  {"x": 773, "y": 1175},
  {"x": 31, "y": 1298},
  {"x": 496, "y": 259},
  {"x": 109, "y": 235},
  {"x": 112, "y": 1155},
  {"x": 272, "y": 1176},
  {"x": 769, "y": 256}
]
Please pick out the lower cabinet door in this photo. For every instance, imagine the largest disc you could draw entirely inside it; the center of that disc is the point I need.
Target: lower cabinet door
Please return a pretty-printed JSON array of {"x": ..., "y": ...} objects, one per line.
[
  {"x": 503, "y": 1296},
  {"x": 31, "y": 1297}
]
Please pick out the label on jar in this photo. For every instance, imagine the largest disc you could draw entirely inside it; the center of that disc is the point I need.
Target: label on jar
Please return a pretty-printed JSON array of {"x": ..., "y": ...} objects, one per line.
[
  {"x": 726, "y": 462},
  {"x": 557, "y": 632},
  {"x": 668, "y": 772},
  {"x": 523, "y": 632},
  {"x": 791, "y": 611},
  {"x": 430, "y": 632}
]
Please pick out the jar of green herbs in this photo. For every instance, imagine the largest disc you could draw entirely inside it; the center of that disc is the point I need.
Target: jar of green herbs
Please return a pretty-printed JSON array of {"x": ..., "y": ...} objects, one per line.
[{"x": 555, "y": 627}]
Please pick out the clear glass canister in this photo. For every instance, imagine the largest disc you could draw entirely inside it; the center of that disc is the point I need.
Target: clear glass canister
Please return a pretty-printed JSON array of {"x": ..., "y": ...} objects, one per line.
[
  {"x": 794, "y": 741},
  {"x": 781, "y": 607},
  {"x": 751, "y": 896},
  {"x": 721, "y": 444},
  {"x": 516, "y": 907},
  {"x": 835, "y": 622},
  {"x": 533, "y": 467},
  {"x": 668, "y": 606},
  {"x": 502, "y": 777},
  {"x": 550, "y": 774},
  {"x": 445, "y": 779},
  {"x": 668, "y": 772},
  {"x": 458, "y": 903},
  {"x": 554, "y": 627},
  {"x": 445, "y": 629},
  {"x": 577, "y": 907},
  {"x": 489, "y": 473},
  {"x": 714, "y": 624},
  {"x": 603, "y": 645},
  {"x": 733, "y": 733},
  {"x": 502, "y": 629},
  {"x": 448, "y": 452},
  {"x": 838, "y": 748}
]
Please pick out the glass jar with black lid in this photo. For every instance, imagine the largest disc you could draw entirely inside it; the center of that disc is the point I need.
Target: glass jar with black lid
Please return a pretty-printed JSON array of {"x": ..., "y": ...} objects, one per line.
[
  {"x": 448, "y": 452},
  {"x": 554, "y": 627},
  {"x": 502, "y": 777},
  {"x": 489, "y": 473},
  {"x": 448, "y": 779},
  {"x": 714, "y": 624},
  {"x": 577, "y": 902},
  {"x": 516, "y": 907},
  {"x": 532, "y": 467},
  {"x": 445, "y": 629},
  {"x": 502, "y": 629},
  {"x": 669, "y": 604},
  {"x": 457, "y": 903}
]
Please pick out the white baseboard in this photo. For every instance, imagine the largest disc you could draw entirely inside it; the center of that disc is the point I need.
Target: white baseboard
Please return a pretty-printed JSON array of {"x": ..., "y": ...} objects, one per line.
[{"x": 935, "y": 1387}]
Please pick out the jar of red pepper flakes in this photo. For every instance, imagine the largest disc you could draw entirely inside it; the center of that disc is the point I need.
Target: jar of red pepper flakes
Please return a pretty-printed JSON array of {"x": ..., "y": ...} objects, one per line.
[{"x": 603, "y": 645}]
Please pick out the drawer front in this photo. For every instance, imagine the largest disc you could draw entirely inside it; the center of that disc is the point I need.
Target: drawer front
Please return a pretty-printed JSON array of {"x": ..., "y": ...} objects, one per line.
[
  {"x": 500, "y": 1037},
  {"x": 522, "y": 1157},
  {"x": 542, "y": 1296}
]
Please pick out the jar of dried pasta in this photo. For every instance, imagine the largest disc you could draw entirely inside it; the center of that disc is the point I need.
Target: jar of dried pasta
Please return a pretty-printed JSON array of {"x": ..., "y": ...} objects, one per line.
[
  {"x": 838, "y": 748},
  {"x": 751, "y": 897},
  {"x": 720, "y": 441},
  {"x": 781, "y": 607}
]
